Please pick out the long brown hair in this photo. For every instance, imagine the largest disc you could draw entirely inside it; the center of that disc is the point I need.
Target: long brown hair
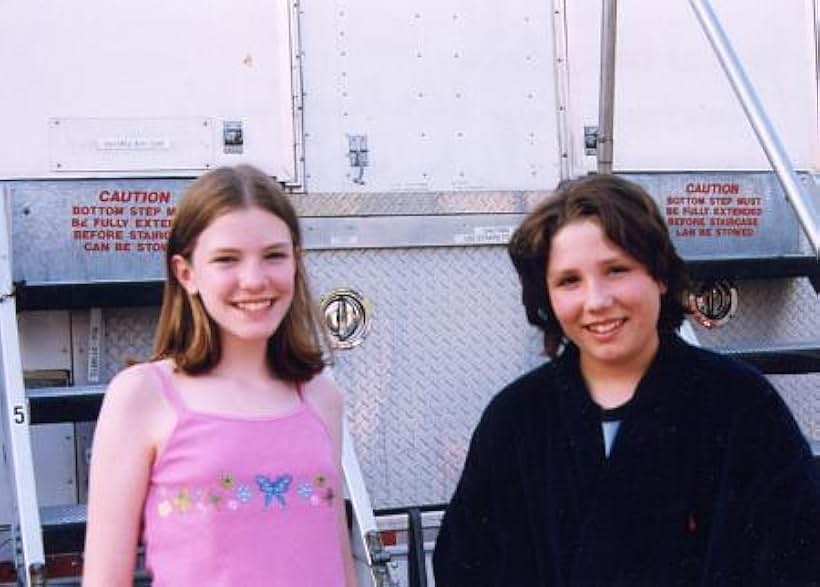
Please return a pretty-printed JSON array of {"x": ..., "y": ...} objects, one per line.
[
  {"x": 185, "y": 332},
  {"x": 629, "y": 218}
]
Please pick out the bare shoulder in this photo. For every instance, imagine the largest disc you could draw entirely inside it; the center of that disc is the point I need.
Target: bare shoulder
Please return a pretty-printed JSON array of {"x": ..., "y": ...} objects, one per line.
[
  {"x": 321, "y": 390},
  {"x": 133, "y": 396},
  {"x": 328, "y": 401}
]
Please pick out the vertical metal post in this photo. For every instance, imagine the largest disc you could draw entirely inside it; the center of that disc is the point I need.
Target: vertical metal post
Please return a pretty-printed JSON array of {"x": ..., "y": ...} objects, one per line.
[
  {"x": 606, "y": 95},
  {"x": 29, "y": 555},
  {"x": 416, "y": 558},
  {"x": 559, "y": 34},
  {"x": 817, "y": 60},
  {"x": 367, "y": 542},
  {"x": 801, "y": 199}
]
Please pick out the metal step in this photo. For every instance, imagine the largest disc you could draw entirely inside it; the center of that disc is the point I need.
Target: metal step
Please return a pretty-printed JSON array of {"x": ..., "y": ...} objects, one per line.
[
  {"x": 790, "y": 359},
  {"x": 63, "y": 528},
  {"x": 782, "y": 267},
  {"x": 50, "y": 405}
]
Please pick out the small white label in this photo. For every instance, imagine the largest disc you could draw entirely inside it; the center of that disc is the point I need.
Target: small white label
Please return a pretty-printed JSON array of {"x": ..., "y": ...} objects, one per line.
[
  {"x": 134, "y": 144},
  {"x": 95, "y": 335},
  {"x": 492, "y": 235},
  {"x": 344, "y": 240}
]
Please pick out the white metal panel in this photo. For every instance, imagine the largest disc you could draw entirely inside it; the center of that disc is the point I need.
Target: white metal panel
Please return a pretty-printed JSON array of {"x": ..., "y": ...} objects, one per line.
[
  {"x": 45, "y": 343},
  {"x": 55, "y": 468},
  {"x": 451, "y": 95},
  {"x": 144, "y": 64},
  {"x": 674, "y": 108}
]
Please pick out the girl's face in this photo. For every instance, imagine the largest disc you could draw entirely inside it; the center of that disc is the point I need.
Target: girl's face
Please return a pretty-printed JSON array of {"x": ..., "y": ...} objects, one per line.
[
  {"x": 606, "y": 301},
  {"x": 243, "y": 268}
]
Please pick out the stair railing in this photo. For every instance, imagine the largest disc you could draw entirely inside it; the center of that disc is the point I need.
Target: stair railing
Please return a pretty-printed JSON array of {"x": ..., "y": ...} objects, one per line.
[
  {"x": 801, "y": 199},
  {"x": 26, "y": 530}
]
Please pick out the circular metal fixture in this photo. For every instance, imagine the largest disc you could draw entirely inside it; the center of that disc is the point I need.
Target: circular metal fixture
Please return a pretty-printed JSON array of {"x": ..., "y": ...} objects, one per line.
[
  {"x": 713, "y": 303},
  {"x": 346, "y": 316}
]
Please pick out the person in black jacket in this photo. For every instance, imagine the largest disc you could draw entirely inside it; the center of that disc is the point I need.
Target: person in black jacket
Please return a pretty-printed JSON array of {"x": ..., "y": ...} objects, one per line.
[{"x": 631, "y": 458}]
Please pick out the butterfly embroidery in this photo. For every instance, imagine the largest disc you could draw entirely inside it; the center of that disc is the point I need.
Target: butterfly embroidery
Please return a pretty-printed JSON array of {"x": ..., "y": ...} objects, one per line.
[{"x": 275, "y": 489}]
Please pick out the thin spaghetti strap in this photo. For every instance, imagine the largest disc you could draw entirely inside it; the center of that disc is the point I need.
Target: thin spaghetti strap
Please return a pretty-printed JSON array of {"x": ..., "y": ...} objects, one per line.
[{"x": 168, "y": 390}]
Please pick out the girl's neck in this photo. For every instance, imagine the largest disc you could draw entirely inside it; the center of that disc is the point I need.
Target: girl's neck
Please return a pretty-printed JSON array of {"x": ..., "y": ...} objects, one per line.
[{"x": 243, "y": 360}]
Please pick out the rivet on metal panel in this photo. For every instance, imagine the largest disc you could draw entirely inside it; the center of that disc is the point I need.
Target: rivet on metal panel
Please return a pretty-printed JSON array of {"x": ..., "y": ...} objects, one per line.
[{"x": 713, "y": 304}]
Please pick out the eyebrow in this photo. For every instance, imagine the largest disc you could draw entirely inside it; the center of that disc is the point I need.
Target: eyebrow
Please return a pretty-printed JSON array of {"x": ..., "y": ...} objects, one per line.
[
  {"x": 620, "y": 258},
  {"x": 268, "y": 247}
]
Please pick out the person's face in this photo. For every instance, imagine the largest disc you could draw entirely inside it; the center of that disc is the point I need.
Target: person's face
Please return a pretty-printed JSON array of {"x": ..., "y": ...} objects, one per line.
[
  {"x": 243, "y": 268},
  {"x": 604, "y": 299}
]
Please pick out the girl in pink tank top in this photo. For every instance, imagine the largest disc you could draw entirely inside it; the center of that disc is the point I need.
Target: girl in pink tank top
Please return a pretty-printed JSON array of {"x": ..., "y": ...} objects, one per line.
[{"x": 223, "y": 453}]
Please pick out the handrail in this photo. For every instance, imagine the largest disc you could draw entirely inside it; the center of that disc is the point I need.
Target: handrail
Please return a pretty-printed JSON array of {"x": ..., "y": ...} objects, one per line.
[
  {"x": 29, "y": 555},
  {"x": 800, "y": 198}
]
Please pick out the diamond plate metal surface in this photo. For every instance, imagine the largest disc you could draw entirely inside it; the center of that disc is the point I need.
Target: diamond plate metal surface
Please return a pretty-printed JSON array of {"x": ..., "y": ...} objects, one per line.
[
  {"x": 446, "y": 335},
  {"x": 403, "y": 203},
  {"x": 128, "y": 336},
  {"x": 802, "y": 394}
]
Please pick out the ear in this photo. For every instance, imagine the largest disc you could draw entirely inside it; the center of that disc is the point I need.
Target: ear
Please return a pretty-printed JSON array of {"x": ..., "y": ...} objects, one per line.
[
  {"x": 663, "y": 287},
  {"x": 184, "y": 273}
]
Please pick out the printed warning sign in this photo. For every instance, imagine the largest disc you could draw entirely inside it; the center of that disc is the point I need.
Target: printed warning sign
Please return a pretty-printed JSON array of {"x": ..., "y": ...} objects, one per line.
[
  {"x": 710, "y": 210},
  {"x": 123, "y": 221}
]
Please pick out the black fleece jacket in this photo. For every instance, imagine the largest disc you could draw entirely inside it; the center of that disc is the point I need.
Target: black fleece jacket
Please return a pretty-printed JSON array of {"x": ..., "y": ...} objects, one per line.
[{"x": 709, "y": 482}]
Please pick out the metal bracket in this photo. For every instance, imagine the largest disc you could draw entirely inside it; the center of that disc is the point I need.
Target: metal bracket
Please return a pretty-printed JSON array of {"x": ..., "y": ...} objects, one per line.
[{"x": 358, "y": 155}]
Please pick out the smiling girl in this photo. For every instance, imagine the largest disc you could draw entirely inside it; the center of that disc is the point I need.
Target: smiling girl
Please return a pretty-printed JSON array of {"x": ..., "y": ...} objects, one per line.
[
  {"x": 223, "y": 452},
  {"x": 631, "y": 458}
]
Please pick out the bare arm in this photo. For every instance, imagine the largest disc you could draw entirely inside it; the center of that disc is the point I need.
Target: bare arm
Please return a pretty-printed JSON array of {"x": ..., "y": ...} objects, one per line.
[
  {"x": 121, "y": 459},
  {"x": 329, "y": 403}
]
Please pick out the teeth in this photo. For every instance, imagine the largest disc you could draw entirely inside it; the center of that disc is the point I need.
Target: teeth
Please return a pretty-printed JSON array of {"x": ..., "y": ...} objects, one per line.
[
  {"x": 605, "y": 327},
  {"x": 252, "y": 306}
]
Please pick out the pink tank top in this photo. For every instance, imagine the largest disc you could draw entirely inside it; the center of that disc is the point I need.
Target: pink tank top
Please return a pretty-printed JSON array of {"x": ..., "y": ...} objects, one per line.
[{"x": 243, "y": 501}]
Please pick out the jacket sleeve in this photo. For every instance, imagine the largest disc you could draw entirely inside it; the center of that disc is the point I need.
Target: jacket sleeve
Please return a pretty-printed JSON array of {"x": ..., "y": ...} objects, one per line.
[
  {"x": 770, "y": 503},
  {"x": 463, "y": 554}
]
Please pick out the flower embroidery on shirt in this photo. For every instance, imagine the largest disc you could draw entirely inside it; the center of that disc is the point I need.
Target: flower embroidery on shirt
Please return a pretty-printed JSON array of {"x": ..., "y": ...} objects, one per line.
[
  {"x": 243, "y": 493},
  {"x": 329, "y": 495},
  {"x": 182, "y": 501},
  {"x": 234, "y": 495},
  {"x": 226, "y": 481},
  {"x": 164, "y": 508},
  {"x": 305, "y": 490}
]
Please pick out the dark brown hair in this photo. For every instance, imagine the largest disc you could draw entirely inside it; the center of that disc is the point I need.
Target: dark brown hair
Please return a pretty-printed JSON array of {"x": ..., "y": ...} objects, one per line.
[
  {"x": 185, "y": 332},
  {"x": 629, "y": 218}
]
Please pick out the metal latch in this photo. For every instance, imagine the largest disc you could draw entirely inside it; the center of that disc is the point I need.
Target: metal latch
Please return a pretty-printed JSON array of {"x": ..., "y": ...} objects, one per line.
[
  {"x": 591, "y": 140},
  {"x": 346, "y": 316},
  {"x": 714, "y": 303},
  {"x": 357, "y": 153}
]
